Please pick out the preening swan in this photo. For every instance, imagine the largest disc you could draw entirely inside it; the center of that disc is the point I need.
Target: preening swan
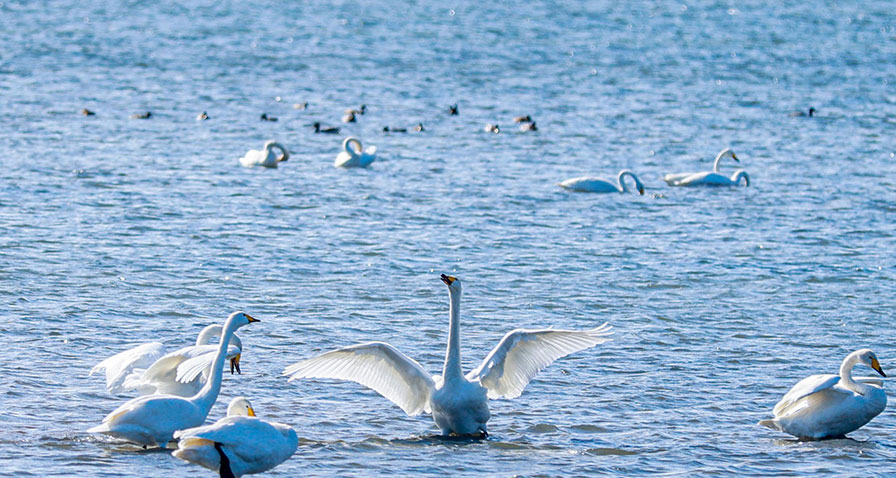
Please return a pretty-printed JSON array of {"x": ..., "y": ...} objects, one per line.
[
  {"x": 458, "y": 403},
  {"x": 592, "y": 184},
  {"x": 152, "y": 419},
  {"x": 352, "y": 156},
  {"x": 148, "y": 369},
  {"x": 673, "y": 178},
  {"x": 266, "y": 156},
  {"x": 830, "y": 406},
  {"x": 239, "y": 444}
]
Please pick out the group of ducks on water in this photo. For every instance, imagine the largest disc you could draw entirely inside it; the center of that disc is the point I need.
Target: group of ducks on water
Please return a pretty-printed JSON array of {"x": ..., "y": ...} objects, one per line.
[{"x": 179, "y": 389}]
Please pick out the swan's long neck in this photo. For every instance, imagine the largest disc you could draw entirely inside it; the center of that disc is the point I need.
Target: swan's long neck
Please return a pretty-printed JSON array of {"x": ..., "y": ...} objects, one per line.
[
  {"x": 209, "y": 392},
  {"x": 452, "y": 356},
  {"x": 740, "y": 174},
  {"x": 846, "y": 372},
  {"x": 346, "y": 145},
  {"x": 207, "y": 333},
  {"x": 620, "y": 179},
  {"x": 718, "y": 161},
  {"x": 284, "y": 154}
]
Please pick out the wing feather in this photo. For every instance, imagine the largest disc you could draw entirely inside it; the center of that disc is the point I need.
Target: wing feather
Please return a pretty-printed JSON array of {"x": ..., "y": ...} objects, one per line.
[
  {"x": 121, "y": 365},
  {"x": 806, "y": 386},
  {"x": 521, "y": 354},
  {"x": 376, "y": 365}
]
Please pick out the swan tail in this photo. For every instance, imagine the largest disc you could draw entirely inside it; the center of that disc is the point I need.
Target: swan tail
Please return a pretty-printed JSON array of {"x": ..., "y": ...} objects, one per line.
[
  {"x": 773, "y": 424},
  {"x": 199, "y": 451}
]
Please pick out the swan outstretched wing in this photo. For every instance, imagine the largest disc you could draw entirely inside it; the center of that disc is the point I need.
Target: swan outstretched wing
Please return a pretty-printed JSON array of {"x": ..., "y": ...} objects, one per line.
[
  {"x": 375, "y": 365},
  {"x": 521, "y": 354},
  {"x": 807, "y": 386},
  {"x": 119, "y": 366}
]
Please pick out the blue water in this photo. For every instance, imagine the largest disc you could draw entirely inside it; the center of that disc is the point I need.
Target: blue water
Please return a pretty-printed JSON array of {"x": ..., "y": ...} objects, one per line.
[{"x": 117, "y": 231}]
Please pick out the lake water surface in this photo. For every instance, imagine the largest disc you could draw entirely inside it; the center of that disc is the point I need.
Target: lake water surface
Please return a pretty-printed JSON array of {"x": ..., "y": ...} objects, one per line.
[{"x": 118, "y": 231}]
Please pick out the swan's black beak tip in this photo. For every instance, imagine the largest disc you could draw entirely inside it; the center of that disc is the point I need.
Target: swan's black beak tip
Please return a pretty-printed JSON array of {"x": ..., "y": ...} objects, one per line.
[{"x": 448, "y": 280}]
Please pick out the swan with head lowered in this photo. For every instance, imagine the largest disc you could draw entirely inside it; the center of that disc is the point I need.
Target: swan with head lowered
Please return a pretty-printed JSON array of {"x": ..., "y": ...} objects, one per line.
[
  {"x": 830, "y": 406},
  {"x": 458, "y": 402},
  {"x": 148, "y": 369},
  {"x": 266, "y": 157},
  {"x": 151, "y": 420},
  {"x": 353, "y": 156},
  {"x": 591, "y": 184},
  {"x": 709, "y": 178},
  {"x": 239, "y": 444}
]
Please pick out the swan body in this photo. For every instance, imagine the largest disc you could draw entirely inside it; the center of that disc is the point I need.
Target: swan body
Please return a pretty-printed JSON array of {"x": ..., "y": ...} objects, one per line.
[
  {"x": 673, "y": 179},
  {"x": 709, "y": 178},
  {"x": 352, "y": 156},
  {"x": 830, "y": 406},
  {"x": 151, "y": 420},
  {"x": 246, "y": 443},
  {"x": 458, "y": 403},
  {"x": 593, "y": 184},
  {"x": 266, "y": 157}
]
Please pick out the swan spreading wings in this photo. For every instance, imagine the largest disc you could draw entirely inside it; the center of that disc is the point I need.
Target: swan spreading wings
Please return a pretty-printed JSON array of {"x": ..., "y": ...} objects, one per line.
[{"x": 458, "y": 402}]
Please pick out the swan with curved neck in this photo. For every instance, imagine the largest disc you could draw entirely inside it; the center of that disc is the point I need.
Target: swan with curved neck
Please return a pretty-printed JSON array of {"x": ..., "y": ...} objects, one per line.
[
  {"x": 353, "y": 155},
  {"x": 714, "y": 179},
  {"x": 673, "y": 178},
  {"x": 593, "y": 184},
  {"x": 152, "y": 419},
  {"x": 830, "y": 406},
  {"x": 238, "y": 444},
  {"x": 266, "y": 157},
  {"x": 458, "y": 402}
]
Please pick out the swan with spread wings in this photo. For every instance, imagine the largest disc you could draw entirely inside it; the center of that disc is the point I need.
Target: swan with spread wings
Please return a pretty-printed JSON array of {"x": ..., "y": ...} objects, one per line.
[{"x": 458, "y": 403}]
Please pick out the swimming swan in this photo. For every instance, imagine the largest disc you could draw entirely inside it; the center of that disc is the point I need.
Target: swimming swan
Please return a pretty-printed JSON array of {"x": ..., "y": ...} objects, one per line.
[
  {"x": 352, "y": 155},
  {"x": 128, "y": 370},
  {"x": 673, "y": 178},
  {"x": 239, "y": 444},
  {"x": 152, "y": 419},
  {"x": 830, "y": 406},
  {"x": 709, "y": 178},
  {"x": 265, "y": 157},
  {"x": 458, "y": 403},
  {"x": 592, "y": 184}
]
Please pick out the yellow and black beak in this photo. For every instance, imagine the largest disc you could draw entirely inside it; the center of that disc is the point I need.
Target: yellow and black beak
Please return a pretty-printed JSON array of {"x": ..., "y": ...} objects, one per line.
[
  {"x": 876, "y": 366},
  {"x": 251, "y": 411},
  {"x": 734, "y": 157},
  {"x": 641, "y": 190},
  {"x": 448, "y": 280},
  {"x": 251, "y": 319},
  {"x": 235, "y": 365}
]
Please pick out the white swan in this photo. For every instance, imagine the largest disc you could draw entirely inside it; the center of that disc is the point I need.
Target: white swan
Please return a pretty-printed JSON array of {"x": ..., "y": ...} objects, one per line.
[
  {"x": 458, "y": 403},
  {"x": 352, "y": 156},
  {"x": 830, "y": 406},
  {"x": 152, "y": 419},
  {"x": 239, "y": 444},
  {"x": 673, "y": 179},
  {"x": 592, "y": 184},
  {"x": 147, "y": 369},
  {"x": 266, "y": 156},
  {"x": 709, "y": 178}
]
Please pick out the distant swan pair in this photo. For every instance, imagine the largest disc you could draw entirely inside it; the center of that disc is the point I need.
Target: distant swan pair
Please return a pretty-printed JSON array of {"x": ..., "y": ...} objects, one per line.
[
  {"x": 352, "y": 155},
  {"x": 710, "y": 178}
]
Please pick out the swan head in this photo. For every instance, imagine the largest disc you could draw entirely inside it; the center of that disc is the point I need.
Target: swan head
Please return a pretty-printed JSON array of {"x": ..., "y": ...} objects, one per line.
[
  {"x": 453, "y": 283},
  {"x": 727, "y": 153},
  {"x": 239, "y": 319},
  {"x": 867, "y": 357},
  {"x": 240, "y": 407}
]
